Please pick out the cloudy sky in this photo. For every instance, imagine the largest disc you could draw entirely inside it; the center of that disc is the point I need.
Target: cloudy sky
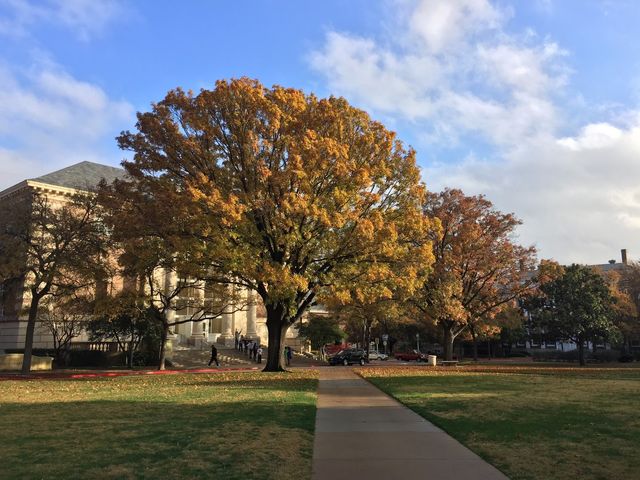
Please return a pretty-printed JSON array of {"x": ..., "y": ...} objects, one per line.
[{"x": 534, "y": 103}]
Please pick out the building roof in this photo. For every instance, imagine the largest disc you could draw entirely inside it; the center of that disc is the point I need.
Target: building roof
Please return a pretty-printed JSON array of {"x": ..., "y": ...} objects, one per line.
[{"x": 82, "y": 176}]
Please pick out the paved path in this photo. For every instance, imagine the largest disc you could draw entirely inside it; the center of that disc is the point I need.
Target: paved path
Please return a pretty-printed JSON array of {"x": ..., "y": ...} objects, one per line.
[{"x": 363, "y": 433}]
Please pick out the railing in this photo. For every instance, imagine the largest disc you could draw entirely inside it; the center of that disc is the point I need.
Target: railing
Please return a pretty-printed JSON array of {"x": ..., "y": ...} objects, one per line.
[{"x": 99, "y": 346}]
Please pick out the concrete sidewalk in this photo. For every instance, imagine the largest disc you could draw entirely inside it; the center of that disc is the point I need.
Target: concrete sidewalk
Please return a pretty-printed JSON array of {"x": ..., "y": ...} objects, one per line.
[{"x": 363, "y": 433}]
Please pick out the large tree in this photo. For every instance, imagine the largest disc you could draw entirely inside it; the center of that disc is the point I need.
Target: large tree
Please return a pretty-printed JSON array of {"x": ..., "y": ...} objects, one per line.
[
  {"x": 280, "y": 192},
  {"x": 478, "y": 269},
  {"x": 578, "y": 306},
  {"x": 51, "y": 247}
]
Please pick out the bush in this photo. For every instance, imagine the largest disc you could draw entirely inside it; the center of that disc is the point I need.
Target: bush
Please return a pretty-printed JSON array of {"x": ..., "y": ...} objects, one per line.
[
  {"x": 95, "y": 358},
  {"x": 555, "y": 356},
  {"x": 146, "y": 358},
  {"x": 605, "y": 356},
  {"x": 518, "y": 354},
  {"x": 626, "y": 358}
]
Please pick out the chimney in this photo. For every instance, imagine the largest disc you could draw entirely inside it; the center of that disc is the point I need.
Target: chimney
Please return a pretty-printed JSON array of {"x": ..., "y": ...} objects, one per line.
[{"x": 624, "y": 255}]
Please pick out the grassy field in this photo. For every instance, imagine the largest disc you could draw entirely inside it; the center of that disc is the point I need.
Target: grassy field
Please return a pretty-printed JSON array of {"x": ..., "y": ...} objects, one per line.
[
  {"x": 224, "y": 425},
  {"x": 532, "y": 423}
]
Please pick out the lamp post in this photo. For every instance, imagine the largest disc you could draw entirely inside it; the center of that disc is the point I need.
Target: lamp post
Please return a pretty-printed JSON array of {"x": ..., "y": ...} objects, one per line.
[{"x": 418, "y": 341}]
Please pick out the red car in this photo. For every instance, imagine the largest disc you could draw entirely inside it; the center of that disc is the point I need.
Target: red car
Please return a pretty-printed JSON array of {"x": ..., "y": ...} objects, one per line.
[{"x": 412, "y": 356}]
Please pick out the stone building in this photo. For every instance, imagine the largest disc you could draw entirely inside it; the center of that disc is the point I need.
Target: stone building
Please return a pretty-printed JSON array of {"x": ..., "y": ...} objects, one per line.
[{"x": 249, "y": 317}]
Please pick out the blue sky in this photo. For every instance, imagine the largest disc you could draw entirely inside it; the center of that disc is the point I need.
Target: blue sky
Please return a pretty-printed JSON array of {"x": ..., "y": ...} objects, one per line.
[{"x": 535, "y": 103}]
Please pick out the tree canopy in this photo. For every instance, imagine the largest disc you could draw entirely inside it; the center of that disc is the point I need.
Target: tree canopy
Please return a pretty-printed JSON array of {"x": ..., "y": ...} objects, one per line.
[
  {"x": 577, "y": 306},
  {"x": 478, "y": 269},
  {"x": 283, "y": 193}
]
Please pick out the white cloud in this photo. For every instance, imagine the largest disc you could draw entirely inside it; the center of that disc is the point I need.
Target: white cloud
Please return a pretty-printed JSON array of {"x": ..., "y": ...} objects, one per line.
[
  {"x": 579, "y": 197},
  {"x": 458, "y": 73},
  {"x": 451, "y": 66},
  {"x": 50, "y": 120},
  {"x": 86, "y": 18}
]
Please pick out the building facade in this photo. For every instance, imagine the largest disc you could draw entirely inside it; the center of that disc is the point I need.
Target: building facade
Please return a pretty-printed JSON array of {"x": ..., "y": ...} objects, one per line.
[{"x": 246, "y": 315}]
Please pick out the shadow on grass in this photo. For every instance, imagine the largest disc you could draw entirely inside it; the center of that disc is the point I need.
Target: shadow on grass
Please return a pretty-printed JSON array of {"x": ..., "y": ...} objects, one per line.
[
  {"x": 203, "y": 433},
  {"x": 115, "y": 439}
]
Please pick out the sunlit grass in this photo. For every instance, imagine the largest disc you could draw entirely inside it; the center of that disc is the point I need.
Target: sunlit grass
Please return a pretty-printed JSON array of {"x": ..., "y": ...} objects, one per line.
[
  {"x": 226, "y": 425},
  {"x": 532, "y": 423}
]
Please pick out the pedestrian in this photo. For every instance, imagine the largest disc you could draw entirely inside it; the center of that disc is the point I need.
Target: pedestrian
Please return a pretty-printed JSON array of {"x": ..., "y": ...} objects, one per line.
[
  {"x": 323, "y": 352},
  {"x": 254, "y": 351},
  {"x": 259, "y": 353},
  {"x": 287, "y": 355},
  {"x": 240, "y": 343},
  {"x": 214, "y": 356}
]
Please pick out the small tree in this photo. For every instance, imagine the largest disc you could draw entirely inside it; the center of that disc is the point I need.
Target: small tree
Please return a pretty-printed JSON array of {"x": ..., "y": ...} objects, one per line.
[
  {"x": 52, "y": 248},
  {"x": 320, "y": 330},
  {"x": 126, "y": 320},
  {"x": 578, "y": 306},
  {"x": 168, "y": 264},
  {"x": 65, "y": 318}
]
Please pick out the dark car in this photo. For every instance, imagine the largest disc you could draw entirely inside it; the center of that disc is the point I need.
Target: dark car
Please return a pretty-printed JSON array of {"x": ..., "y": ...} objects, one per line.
[
  {"x": 348, "y": 356},
  {"x": 413, "y": 356}
]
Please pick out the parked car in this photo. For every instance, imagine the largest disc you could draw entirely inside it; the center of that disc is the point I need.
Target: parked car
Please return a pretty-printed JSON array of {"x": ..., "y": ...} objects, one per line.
[
  {"x": 348, "y": 356},
  {"x": 412, "y": 356},
  {"x": 373, "y": 355}
]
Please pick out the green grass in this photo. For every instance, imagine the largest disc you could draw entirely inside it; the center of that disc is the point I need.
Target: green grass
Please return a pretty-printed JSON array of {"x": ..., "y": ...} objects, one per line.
[
  {"x": 532, "y": 423},
  {"x": 226, "y": 425}
]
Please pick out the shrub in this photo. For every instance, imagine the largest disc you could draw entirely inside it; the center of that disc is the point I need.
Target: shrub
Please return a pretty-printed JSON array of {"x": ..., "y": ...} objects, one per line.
[
  {"x": 95, "y": 358},
  {"x": 626, "y": 358},
  {"x": 605, "y": 355}
]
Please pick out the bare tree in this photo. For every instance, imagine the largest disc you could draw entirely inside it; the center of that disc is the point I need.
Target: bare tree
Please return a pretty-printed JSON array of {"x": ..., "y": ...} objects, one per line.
[
  {"x": 51, "y": 248},
  {"x": 65, "y": 318}
]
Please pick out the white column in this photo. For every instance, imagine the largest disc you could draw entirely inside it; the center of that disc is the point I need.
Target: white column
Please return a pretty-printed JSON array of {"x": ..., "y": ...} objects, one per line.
[
  {"x": 170, "y": 283},
  {"x": 227, "y": 326},
  {"x": 198, "y": 298},
  {"x": 251, "y": 315}
]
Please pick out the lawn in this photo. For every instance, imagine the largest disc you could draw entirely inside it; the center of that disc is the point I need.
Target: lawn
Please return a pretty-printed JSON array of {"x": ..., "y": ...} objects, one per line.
[
  {"x": 224, "y": 425},
  {"x": 532, "y": 423}
]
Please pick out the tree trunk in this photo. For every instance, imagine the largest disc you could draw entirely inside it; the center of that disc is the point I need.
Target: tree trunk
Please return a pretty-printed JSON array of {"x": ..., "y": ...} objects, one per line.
[
  {"x": 277, "y": 332},
  {"x": 130, "y": 359},
  {"x": 474, "y": 339},
  {"x": 448, "y": 342},
  {"x": 28, "y": 339},
  {"x": 277, "y": 325},
  {"x": 163, "y": 341},
  {"x": 581, "y": 352},
  {"x": 489, "y": 349}
]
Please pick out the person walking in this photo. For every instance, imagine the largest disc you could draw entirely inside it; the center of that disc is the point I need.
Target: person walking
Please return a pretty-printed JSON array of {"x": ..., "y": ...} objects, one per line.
[
  {"x": 287, "y": 355},
  {"x": 255, "y": 351},
  {"x": 259, "y": 354},
  {"x": 214, "y": 356}
]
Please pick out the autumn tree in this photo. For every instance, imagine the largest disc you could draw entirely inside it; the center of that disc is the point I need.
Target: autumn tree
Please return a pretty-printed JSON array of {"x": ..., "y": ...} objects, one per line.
[
  {"x": 625, "y": 290},
  {"x": 279, "y": 192},
  {"x": 478, "y": 269},
  {"x": 161, "y": 264},
  {"x": 578, "y": 306},
  {"x": 52, "y": 248},
  {"x": 532, "y": 302}
]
